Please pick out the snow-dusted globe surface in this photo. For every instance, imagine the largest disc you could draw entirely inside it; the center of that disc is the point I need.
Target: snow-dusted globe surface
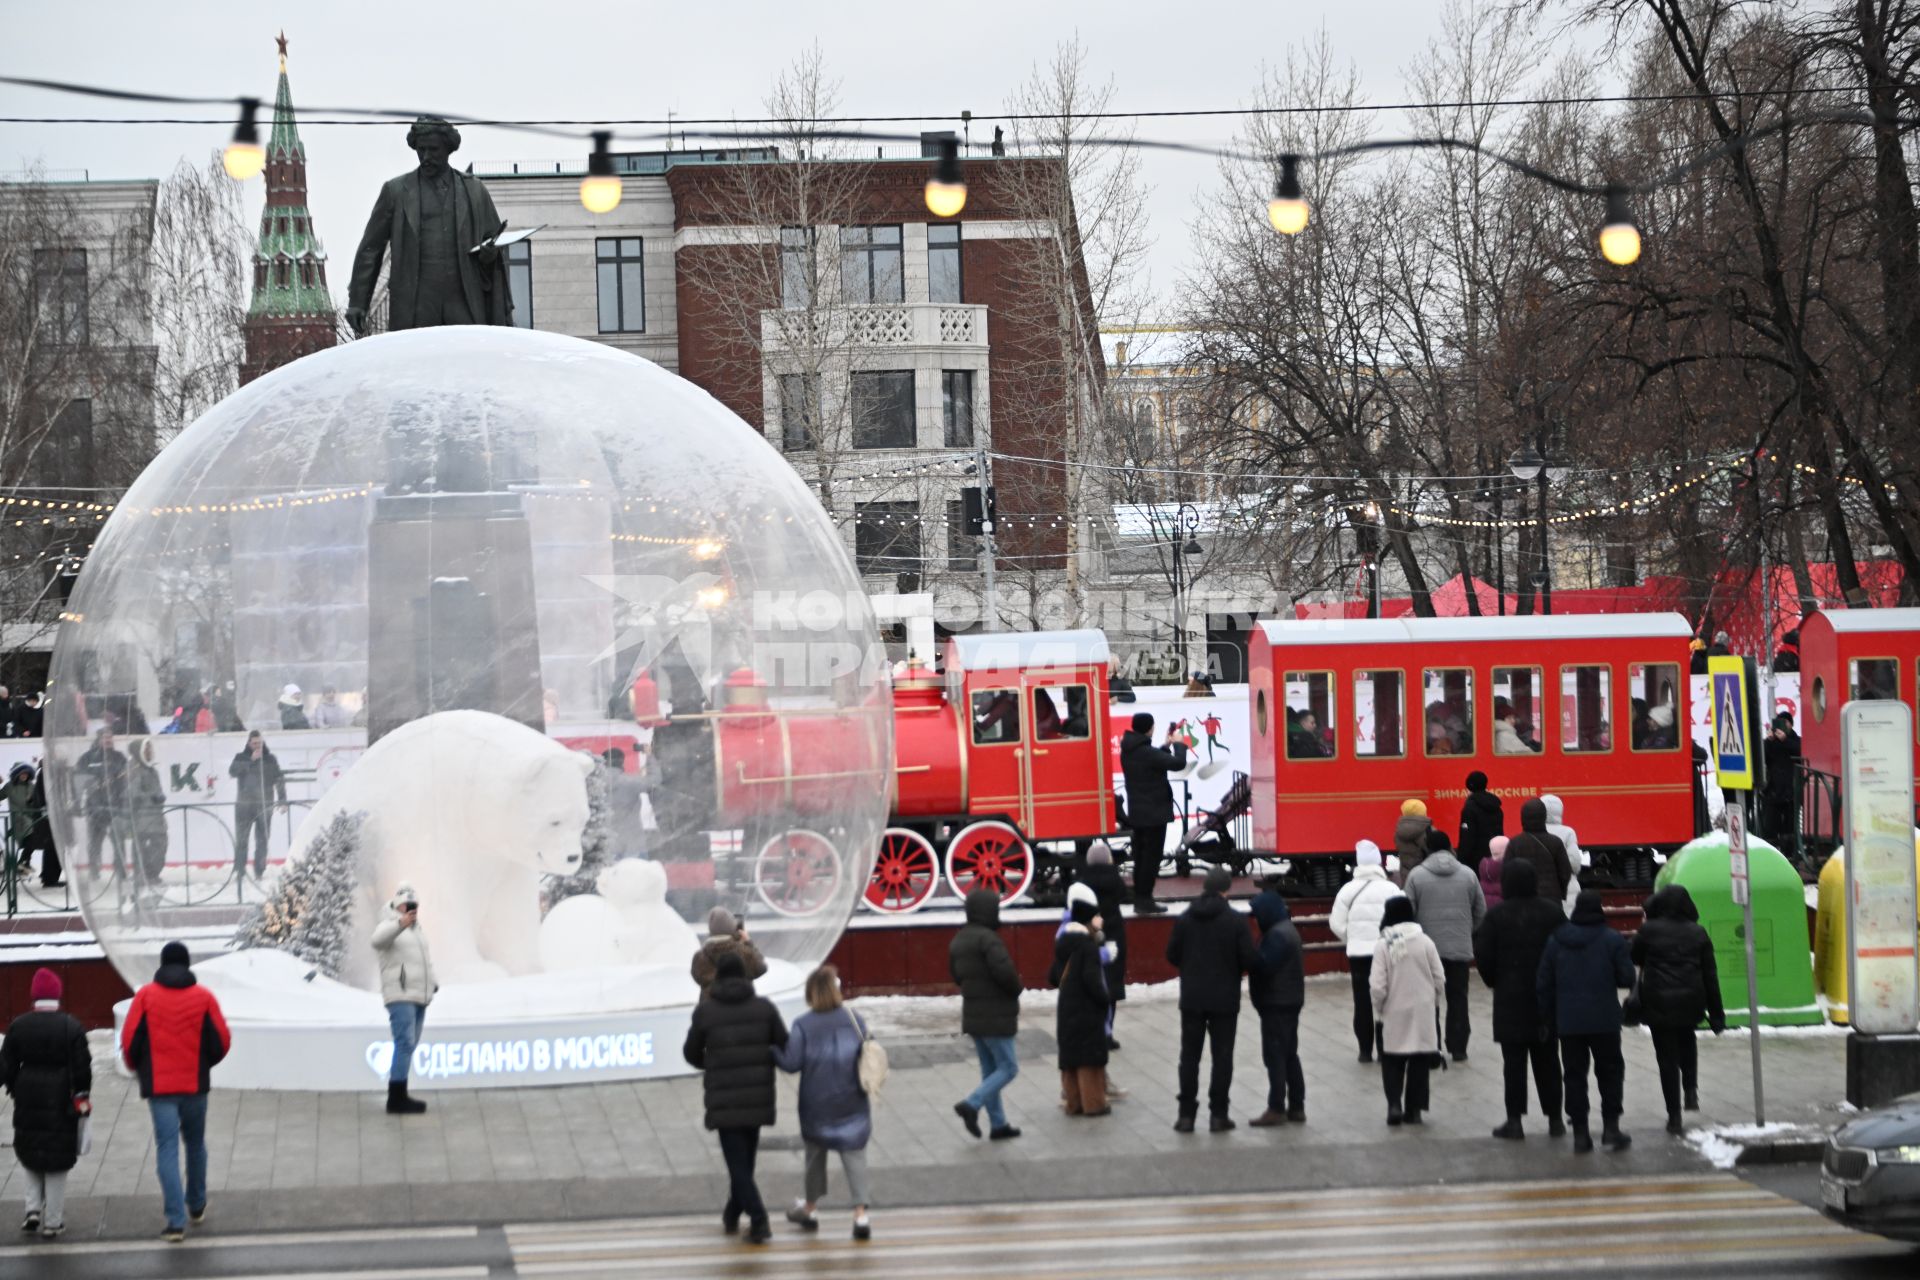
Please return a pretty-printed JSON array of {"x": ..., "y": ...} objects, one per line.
[{"x": 508, "y": 611}]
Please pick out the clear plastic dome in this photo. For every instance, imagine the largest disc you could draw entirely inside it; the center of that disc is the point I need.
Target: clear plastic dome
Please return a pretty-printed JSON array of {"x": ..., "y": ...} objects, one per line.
[{"x": 460, "y": 555}]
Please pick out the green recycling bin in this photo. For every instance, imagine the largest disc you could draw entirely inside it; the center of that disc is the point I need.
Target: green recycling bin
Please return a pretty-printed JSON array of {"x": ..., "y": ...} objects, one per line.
[{"x": 1782, "y": 957}]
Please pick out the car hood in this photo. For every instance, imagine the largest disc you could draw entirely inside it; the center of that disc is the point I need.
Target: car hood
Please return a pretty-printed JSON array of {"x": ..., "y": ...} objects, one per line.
[{"x": 1895, "y": 1125}]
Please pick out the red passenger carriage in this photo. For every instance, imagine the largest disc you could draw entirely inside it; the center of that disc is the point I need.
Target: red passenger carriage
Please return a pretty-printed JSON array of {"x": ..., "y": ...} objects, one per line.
[
  {"x": 1350, "y": 718},
  {"x": 1848, "y": 655}
]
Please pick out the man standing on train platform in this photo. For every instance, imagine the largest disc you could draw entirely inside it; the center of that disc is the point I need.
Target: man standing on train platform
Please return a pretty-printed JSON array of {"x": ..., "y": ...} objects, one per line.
[{"x": 1149, "y": 803}]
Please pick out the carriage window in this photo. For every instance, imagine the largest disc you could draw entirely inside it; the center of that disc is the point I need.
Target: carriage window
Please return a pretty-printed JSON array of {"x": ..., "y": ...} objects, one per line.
[
  {"x": 1060, "y": 712},
  {"x": 996, "y": 716},
  {"x": 1586, "y": 709},
  {"x": 1379, "y": 714},
  {"x": 1447, "y": 694},
  {"x": 1652, "y": 690},
  {"x": 1873, "y": 680},
  {"x": 1517, "y": 703},
  {"x": 1309, "y": 715}
]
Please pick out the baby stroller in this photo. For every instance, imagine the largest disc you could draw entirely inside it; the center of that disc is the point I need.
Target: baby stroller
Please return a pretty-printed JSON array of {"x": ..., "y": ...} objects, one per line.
[{"x": 1211, "y": 838}]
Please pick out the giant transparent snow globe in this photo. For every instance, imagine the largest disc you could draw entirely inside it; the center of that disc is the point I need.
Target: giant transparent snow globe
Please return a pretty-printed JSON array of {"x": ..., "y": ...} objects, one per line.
[{"x": 516, "y": 625}]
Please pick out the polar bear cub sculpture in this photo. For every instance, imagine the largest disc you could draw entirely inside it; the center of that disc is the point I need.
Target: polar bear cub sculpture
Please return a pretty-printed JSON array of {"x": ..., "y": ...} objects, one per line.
[{"x": 471, "y": 809}]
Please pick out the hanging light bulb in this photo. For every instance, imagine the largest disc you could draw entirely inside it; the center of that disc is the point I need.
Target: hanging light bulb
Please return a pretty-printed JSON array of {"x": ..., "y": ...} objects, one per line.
[
  {"x": 1287, "y": 211},
  {"x": 946, "y": 189},
  {"x": 600, "y": 190},
  {"x": 1619, "y": 235},
  {"x": 244, "y": 157}
]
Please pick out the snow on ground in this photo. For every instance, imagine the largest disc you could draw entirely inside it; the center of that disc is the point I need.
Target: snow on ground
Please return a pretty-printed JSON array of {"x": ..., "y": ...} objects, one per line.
[{"x": 1720, "y": 1145}]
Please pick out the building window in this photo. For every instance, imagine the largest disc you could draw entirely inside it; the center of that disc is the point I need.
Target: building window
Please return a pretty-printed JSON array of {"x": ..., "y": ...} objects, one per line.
[
  {"x": 69, "y": 447},
  {"x": 883, "y": 410},
  {"x": 870, "y": 264},
  {"x": 283, "y": 273},
  {"x": 956, "y": 407},
  {"x": 796, "y": 267},
  {"x": 963, "y": 548},
  {"x": 886, "y": 537},
  {"x": 943, "y": 262},
  {"x": 60, "y": 286},
  {"x": 799, "y": 410},
  {"x": 520, "y": 282},
  {"x": 623, "y": 307},
  {"x": 259, "y": 275}
]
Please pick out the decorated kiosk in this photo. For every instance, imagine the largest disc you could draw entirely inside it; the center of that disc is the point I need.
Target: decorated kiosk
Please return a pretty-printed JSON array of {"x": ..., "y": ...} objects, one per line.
[{"x": 491, "y": 546}]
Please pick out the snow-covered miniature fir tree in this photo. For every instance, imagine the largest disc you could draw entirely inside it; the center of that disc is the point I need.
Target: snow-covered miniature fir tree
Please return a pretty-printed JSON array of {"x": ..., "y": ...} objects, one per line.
[
  {"x": 310, "y": 914},
  {"x": 596, "y": 839}
]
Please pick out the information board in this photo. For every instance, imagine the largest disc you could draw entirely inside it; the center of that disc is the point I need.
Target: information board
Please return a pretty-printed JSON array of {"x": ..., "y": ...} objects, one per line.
[{"x": 1883, "y": 986}]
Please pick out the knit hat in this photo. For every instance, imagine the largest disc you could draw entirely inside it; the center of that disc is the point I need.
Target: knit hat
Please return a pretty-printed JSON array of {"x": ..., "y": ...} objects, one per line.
[
  {"x": 402, "y": 893},
  {"x": 46, "y": 986},
  {"x": 729, "y": 964},
  {"x": 1366, "y": 854},
  {"x": 1661, "y": 717},
  {"x": 1438, "y": 840},
  {"x": 1784, "y": 720},
  {"x": 175, "y": 953},
  {"x": 1413, "y": 808},
  {"x": 1083, "y": 910},
  {"x": 1100, "y": 854},
  {"x": 290, "y": 696},
  {"x": 1218, "y": 880},
  {"x": 1079, "y": 892},
  {"x": 1497, "y": 847},
  {"x": 721, "y": 923}
]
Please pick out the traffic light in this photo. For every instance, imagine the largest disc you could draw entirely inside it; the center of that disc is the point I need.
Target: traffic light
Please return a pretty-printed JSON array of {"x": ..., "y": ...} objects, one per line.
[{"x": 979, "y": 514}]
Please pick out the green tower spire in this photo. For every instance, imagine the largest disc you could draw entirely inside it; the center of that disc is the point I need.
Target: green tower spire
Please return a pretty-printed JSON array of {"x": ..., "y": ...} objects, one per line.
[{"x": 292, "y": 312}]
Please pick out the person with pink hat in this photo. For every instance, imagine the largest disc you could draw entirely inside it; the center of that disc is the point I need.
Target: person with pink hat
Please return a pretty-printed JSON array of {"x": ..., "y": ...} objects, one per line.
[{"x": 45, "y": 1066}]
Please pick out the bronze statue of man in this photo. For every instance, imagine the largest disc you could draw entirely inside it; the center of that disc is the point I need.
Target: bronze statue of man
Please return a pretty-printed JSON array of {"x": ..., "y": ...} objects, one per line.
[{"x": 440, "y": 224}]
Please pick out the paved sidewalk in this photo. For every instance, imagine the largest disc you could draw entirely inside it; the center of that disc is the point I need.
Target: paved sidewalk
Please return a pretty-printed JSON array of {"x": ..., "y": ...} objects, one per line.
[{"x": 303, "y": 1160}]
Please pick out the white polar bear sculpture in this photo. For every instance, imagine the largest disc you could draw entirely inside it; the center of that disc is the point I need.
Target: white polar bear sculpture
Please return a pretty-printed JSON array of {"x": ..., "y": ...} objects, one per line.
[
  {"x": 625, "y": 921},
  {"x": 471, "y": 809}
]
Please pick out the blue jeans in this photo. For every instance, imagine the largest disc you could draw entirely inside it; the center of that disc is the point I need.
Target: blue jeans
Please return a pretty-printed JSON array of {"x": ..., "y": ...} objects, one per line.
[
  {"x": 177, "y": 1116},
  {"x": 406, "y": 1018},
  {"x": 998, "y": 1067}
]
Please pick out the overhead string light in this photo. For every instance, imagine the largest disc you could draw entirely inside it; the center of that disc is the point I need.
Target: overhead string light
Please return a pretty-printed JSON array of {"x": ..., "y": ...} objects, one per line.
[
  {"x": 1619, "y": 234},
  {"x": 947, "y": 189},
  {"x": 244, "y": 157},
  {"x": 601, "y": 189},
  {"x": 1287, "y": 212}
]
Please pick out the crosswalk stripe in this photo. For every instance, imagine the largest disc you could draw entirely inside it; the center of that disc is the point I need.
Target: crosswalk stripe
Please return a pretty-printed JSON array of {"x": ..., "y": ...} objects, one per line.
[
  {"x": 196, "y": 1241},
  {"x": 1348, "y": 1234}
]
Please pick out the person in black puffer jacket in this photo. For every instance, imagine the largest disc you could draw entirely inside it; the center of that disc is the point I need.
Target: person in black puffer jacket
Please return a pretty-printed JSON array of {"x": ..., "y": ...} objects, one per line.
[
  {"x": 1552, "y": 868},
  {"x": 1679, "y": 986},
  {"x": 732, "y": 1039},
  {"x": 1507, "y": 948},
  {"x": 1278, "y": 989},
  {"x": 982, "y": 968},
  {"x": 1211, "y": 947},
  {"x": 1109, "y": 891},
  {"x": 1080, "y": 1024},
  {"x": 1481, "y": 819},
  {"x": 1149, "y": 803},
  {"x": 1581, "y": 970},
  {"x": 45, "y": 1066}
]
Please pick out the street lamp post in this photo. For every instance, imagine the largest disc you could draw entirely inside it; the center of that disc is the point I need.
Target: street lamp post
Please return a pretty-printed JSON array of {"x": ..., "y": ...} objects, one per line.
[
  {"x": 1186, "y": 522},
  {"x": 1529, "y": 462}
]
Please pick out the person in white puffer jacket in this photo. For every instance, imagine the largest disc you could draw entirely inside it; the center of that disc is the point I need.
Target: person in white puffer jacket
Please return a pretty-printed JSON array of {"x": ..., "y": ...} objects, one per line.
[
  {"x": 1355, "y": 920},
  {"x": 407, "y": 986},
  {"x": 1575, "y": 854}
]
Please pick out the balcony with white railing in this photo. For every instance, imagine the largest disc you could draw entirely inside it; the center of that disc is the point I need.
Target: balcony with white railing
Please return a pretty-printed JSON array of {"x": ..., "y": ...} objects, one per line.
[{"x": 937, "y": 326}]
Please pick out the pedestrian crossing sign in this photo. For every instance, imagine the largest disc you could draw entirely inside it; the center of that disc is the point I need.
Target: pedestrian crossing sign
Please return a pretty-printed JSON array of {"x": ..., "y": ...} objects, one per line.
[{"x": 1732, "y": 731}]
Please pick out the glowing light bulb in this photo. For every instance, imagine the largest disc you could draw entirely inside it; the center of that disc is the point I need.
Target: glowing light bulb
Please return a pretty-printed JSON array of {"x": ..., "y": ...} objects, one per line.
[
  {"x": 244, "y": 157},
  {"x": 1287, "y": 212},
  {"x": 1619, "y": 235},
  {"x": 601, "y": 189},
  {"x": 946, "y": 189}
]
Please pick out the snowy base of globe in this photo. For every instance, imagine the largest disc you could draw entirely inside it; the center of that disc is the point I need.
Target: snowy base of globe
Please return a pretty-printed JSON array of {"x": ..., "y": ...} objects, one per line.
[{"x": 295, "y": 1030}]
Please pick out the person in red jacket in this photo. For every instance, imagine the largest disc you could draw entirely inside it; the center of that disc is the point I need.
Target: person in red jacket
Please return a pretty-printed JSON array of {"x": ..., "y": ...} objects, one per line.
[{"x": 174, "y": 1034}]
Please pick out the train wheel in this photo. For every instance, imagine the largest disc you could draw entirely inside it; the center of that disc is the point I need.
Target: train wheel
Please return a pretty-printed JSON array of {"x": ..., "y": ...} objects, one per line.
[
  {"x": 906, "y": 871},
  {"x": 797, "y": 872},
  {"x": 989, "y": 855}
]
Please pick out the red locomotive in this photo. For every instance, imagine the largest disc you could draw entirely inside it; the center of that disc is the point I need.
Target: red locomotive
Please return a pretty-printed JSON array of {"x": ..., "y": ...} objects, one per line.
[
  {"x": 1350, "y": 718},
  {"x": 1847, "y": 655}
]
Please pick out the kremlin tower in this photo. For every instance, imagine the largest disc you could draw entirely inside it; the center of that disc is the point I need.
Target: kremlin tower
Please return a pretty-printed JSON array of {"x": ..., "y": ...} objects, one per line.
[{"x": 292, "y": 313}]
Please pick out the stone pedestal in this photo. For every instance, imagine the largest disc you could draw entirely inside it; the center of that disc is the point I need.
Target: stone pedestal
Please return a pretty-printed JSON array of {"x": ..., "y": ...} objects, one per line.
[
  {"x": 1881, "y": 1068},
  {"x": 451, "y": 622}
]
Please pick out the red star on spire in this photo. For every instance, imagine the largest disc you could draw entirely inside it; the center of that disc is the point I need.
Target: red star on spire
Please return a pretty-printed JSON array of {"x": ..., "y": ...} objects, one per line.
[{"x": 281, "y": 40}]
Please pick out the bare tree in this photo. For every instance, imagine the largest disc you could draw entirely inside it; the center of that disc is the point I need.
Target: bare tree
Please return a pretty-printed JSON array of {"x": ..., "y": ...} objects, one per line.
[{"x": 201, "y": 252}]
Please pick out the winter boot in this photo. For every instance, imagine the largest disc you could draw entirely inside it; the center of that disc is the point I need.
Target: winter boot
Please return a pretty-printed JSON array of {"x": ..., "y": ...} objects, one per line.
[
  {"x": 1693, "y": 1100},
  {"x": 759, "y": 1232},
  {"x": 1185, "y": 1123},
  {"x": 1394, "y": 1114},
  {"x": 1268, "y": 1118},
  {"x": 1612, "y": 1139},
  {"x": 1220, "y": 1124},
  {"x": 1412, "y": 1116},
  {"x": 1582, "y": 1140},
  {"x": 1511, "y": 1130},
  {"x": 1674, "y": 1124},
  {"x": 969, "y": 1116},
  {"x": 1556, "y": 1127},
  {"x": 398, "y": 1103},
  {"x": 1296, "y": 1115}
]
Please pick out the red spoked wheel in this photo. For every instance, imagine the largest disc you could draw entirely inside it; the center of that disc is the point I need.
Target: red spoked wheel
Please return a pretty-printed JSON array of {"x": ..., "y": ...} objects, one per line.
[
  {"x": 989, "y": 855},
  {"x": 906, "y": 871},
  {"x": 797, "y": 872}
]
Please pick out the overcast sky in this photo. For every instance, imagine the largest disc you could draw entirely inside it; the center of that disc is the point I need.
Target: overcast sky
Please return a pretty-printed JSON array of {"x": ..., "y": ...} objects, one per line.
[{"x": 574, "y": 60}]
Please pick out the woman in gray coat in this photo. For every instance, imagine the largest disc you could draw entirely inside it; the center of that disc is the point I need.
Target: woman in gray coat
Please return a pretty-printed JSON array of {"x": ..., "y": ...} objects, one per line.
[{"x": 835, "y": 1115}]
